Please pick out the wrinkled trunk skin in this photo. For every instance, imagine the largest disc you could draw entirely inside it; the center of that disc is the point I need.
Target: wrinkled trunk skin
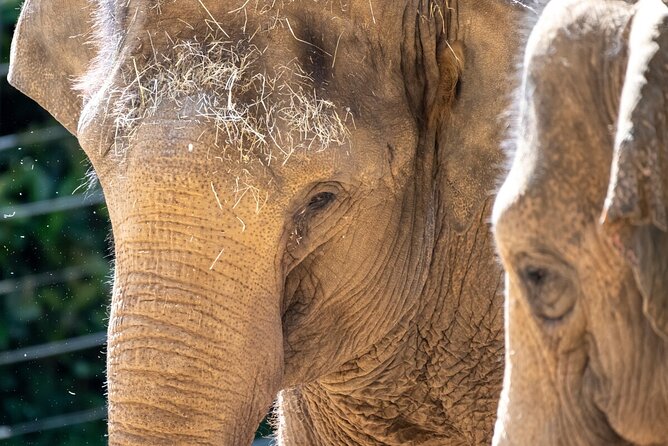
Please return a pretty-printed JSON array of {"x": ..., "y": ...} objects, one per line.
[
  {"x": 195, "y": 353},
  {"x": 168, "y": 354}
]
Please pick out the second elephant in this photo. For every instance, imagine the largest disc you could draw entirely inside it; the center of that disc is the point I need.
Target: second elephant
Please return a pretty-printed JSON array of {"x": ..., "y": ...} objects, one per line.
[{"x": 581, "y": 225}]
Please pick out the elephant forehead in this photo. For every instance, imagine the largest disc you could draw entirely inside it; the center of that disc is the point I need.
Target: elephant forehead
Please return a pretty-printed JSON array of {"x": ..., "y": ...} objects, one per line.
[
  {"x": 257, "y": 84},
  {"x": 259, "y": 72},
  {"x": 550, "y": 193},
  {"x": 253, "y": 111}
]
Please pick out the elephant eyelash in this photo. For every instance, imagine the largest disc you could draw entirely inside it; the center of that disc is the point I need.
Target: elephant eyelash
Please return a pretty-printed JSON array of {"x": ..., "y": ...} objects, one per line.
[
  {"x": 317, "y": 203},
  {"x": 320, "y": 201}
]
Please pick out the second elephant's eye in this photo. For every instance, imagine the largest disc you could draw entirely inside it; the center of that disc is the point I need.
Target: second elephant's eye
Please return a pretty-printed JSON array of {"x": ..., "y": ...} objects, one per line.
[
  {"x": 549, "y": 287},
  {"x": 320, "y": 201},
  {"x": 535, "y": 276}
]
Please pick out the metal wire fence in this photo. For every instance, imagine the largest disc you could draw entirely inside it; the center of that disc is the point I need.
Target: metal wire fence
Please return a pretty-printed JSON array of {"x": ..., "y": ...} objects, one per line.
[
  {"x": 37, "y": 352},
  {"x": 76, "y": 344},
  {"x": 55, "y": 422},
  {"x": 53, "y": 348}
]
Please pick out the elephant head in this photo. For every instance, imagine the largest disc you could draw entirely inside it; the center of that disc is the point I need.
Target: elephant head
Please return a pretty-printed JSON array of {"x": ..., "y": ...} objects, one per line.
[
  {"x": 299, "y": 196},
  {"x": 580, "y": 224}
]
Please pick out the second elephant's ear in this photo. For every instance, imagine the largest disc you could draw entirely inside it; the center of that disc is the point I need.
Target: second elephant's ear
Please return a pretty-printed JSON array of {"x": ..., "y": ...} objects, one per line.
[
  {"x": 637, "y": 198},
  {"x": 49, "y": 52}
]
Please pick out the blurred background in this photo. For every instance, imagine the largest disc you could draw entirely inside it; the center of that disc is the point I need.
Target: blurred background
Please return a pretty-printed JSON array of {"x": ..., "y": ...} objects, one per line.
[
  {"x": 55, "y": 258},
  {"x": 54, "y": 276}
]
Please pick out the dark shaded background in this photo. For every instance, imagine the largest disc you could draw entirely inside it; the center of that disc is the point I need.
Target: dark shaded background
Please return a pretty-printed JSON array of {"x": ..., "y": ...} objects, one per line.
[{"x": 54, "y": 270}]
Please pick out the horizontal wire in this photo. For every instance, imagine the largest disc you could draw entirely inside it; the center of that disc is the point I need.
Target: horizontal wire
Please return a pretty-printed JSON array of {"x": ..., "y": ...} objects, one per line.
[
  {"x": 30, "y": 137},
  {"x": 50, "y": 206},
  {"x": 55, "y": 422},
  {"x": 53, "y": 348},
  {"x": 33, "y": 281}
]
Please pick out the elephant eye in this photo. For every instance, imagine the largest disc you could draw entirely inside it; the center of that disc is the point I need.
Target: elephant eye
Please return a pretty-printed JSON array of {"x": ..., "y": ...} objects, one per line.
[
  {"x": 535, "y": 276},
  {"x": 320, "y": 201},
  {"x": 302, "y": 219},
  {"x": 550, "y": 290}
]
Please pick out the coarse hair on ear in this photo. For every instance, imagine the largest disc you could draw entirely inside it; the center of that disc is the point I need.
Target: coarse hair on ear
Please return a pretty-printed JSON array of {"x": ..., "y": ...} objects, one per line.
[
  {"x": 49, "y": 52},
  {"x": 637, "y": 198}
]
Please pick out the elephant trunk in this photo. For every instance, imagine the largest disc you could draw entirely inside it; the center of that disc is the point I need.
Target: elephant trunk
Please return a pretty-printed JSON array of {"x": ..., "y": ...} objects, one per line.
[{"x": 195, "y": 350}]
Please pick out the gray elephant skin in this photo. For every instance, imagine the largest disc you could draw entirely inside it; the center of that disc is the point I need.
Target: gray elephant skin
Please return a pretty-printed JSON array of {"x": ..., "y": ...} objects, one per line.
[
  {"x": 580, "y": 224},
  {"x": 299, "y": 193}
]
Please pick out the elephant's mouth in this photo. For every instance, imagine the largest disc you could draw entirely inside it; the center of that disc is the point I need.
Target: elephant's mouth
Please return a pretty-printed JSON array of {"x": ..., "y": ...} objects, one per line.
[
  {"x": 618, "y": 437},
  {"x": 298, "y": 293},
  {"x": 600, "y": 418}
]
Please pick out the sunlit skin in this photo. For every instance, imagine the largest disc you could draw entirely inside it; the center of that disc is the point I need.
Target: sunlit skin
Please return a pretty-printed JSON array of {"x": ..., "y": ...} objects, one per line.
[
  {"x": 580, "y": 228},
  {"x": 299, "y": 197}
]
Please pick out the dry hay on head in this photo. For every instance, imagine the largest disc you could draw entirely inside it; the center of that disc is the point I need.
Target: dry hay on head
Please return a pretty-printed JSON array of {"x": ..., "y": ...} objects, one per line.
[
  {"x": 223, "y": 83},
  {"x": 261, "y": 7},
  {"x": 216, "y": 81}
]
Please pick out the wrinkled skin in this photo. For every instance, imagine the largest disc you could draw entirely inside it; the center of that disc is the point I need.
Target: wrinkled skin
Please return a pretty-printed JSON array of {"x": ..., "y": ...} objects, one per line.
[
  {"x": 580, "y": 225},
  {"x": 362, "y": 282}
]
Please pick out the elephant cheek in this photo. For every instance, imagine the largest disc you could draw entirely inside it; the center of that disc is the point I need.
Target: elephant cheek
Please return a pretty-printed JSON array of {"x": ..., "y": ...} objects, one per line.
[{"x": 191, "y": 359}]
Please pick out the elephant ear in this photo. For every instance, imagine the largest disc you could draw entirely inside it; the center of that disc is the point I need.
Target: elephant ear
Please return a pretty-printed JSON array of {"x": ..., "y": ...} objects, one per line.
[
  {"x": 433, "y": 67},
  {"x": 637, "y": 197},
  {"x": 49, "y": 52}
]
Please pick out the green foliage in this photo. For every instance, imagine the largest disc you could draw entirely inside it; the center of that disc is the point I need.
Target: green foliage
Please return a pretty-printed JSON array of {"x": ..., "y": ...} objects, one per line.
[
  {"x": 31, "y": 314},
  {"x": 34, "y": 313},
  {"x": 9, "y": 14}
]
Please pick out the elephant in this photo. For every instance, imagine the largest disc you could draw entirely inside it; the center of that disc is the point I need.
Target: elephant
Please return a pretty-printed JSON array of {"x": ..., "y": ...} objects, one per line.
[
  {"x": 580, "y": 227},
  {"x": 299, "y": 195}
]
